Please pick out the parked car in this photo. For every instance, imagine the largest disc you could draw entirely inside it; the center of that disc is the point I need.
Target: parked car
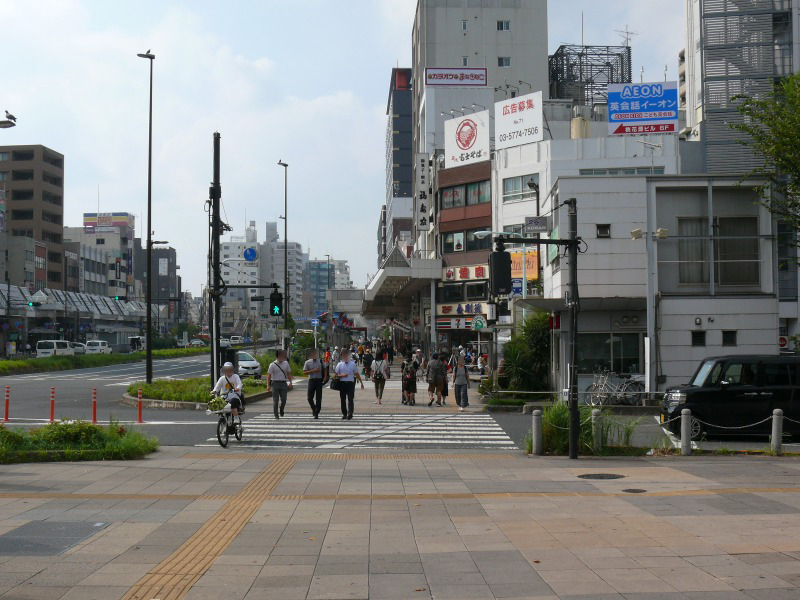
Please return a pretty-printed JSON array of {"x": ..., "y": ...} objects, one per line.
[
  {"x": 224, "y": 343},
  {"x": 77, "y": 348},
  {"x": 98, "y": 347},
  {"x": 46, "y": 348},
  {"x": 739, "y": 392},
  {"x": 182, "y": 343},
  {"x": 195, "y": 343},
  {"x": 248, "y": 365},
  {"x": 236, "y": 339}
]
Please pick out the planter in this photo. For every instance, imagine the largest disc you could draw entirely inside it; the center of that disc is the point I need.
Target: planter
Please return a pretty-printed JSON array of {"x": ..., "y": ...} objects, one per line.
[{"x": 178, "y": 405}]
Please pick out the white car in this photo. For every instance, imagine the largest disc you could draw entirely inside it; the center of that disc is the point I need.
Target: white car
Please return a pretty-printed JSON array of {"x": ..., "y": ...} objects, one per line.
[
  {"x": 195, "y": 343},
  {"x": 98, "y": 347},
  {"x": 46, "y": 348},
  {"x": 224, "y": 343},
  {"x": 236, "y": 339},
  {"x": 248, "y": 366}
]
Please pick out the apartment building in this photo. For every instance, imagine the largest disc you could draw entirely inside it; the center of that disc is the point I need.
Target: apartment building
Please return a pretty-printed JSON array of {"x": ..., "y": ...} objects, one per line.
[{"x": 33, "y": 179}]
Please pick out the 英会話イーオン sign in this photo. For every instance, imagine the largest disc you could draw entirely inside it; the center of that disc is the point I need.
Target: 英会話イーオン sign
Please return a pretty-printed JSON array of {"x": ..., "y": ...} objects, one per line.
[{"x": 639, "y": 108}]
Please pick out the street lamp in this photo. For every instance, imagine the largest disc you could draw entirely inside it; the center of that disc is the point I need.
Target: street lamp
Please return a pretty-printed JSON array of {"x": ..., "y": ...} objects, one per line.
[
  {"x": 285, "y": 242},
  {"x": 149, "y": 294}
]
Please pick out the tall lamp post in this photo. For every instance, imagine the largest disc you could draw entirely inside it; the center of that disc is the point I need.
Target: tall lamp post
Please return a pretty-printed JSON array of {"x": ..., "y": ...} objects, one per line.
[
  {"x": 327, "y": 302},
  {"x": 149, "y": 293},
  {"x": 285, "y": 242}
]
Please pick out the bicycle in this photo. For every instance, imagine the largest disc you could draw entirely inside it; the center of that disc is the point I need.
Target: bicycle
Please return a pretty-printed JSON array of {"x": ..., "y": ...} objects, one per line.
[
  {"x": 227, "y": 424},
  {"x": 603, "y": 391}
]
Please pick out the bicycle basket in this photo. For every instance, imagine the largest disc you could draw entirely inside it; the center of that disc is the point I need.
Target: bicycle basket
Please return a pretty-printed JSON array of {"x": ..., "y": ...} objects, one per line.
[{"x": 216, "y": 404}]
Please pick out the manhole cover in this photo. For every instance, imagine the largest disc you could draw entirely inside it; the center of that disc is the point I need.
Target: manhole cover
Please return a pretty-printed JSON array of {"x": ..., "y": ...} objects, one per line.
[
  {"x": 634, "y": 491},
  {"x": 46, "y": 538},
  {"x": 600, "y": 476}
]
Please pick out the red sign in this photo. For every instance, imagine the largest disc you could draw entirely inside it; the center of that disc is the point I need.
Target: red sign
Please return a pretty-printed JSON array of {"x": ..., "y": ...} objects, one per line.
[
  {"x": 635, "y": 129},
  {"x": 466, "y": 134},
  {"x": 783, "y": 341}
]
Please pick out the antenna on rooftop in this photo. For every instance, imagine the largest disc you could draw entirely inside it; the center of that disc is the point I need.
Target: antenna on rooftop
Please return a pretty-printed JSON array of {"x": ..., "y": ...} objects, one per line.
[{"x": 626, "y": 35}]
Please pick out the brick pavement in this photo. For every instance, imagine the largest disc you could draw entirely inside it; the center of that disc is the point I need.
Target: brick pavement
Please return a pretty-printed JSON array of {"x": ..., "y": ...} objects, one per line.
[{"x": 221, "y": 524}]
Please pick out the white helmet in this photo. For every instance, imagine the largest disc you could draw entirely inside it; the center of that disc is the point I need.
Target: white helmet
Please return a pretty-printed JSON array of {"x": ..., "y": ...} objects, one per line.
[{"x": 227, "y": 364}]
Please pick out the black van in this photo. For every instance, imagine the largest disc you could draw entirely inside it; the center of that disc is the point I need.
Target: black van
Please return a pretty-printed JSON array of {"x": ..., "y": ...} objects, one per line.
[{"x": 736, "y": 391}]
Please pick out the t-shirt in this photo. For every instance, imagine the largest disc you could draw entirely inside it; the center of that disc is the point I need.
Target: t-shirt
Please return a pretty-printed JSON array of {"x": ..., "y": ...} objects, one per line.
[
  {"x": 279, "y": 371},
  {"x": 437, "y": 370},
  {"x": 346, "y": 370},
  {"x": 313, "y": 364},
  {"x": 227, "y": 385},
  {"x": 461, "y": 375}
]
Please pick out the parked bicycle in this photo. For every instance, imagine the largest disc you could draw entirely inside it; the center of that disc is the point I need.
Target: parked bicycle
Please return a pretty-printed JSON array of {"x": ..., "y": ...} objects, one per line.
[
  {"x": 615, "y": 388},
  {"x": 227, "y": 424}
]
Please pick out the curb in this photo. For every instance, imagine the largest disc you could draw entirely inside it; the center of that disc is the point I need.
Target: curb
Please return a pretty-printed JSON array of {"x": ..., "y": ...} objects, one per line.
[{"x": 178, "y": 405}]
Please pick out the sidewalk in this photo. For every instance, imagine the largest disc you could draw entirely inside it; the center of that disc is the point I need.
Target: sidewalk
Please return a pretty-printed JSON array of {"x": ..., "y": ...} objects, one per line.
[{"x": 220, "y": 524}]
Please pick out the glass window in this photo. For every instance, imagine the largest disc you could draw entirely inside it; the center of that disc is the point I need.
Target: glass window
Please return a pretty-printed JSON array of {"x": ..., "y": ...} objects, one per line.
[
  {"x": 617, "y": 352},
  {"x": 516, "y": 188},
  {"x": 503, "y": 61},
  {"x": 477, "y": 291},
  {"x": 729, "y": 338},
  {"x": 453, "y": 197},
  {"x": 474, "y": 243},
  {"x": 458, "y": 241},
  {"x": 464, "y": 63},
  {"x": 737, "y": 254},
  {"x": 464, "y": 25},
  {"x": 448, "y": 242},
  {"x": 777, "y": 374},
  {"x": 514, "y": 229},
  {"x": 504, "y": 26},
  {"x": 698, "y": 338},
  {"x": 787, "y": 261},
  {"x": 741, "y": 373},
  {"x": 478, "y": 193},
  {"x": 452, "y": 292},
  {"x": 692, "y": 253}
]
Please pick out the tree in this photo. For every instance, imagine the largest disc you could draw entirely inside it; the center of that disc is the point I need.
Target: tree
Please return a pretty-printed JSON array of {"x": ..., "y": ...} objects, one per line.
[
  {"x": 772, "y": 130},
  {"x": 526, "y": 358}
]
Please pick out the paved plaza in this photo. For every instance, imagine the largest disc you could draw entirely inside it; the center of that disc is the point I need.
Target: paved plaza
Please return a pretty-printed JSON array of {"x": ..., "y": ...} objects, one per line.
[{"x": 209, "y": 523}]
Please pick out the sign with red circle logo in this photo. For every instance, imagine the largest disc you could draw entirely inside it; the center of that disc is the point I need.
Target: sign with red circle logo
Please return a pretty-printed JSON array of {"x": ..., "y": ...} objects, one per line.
[
  {"x": 783, "y": 341},
  {"x": 467, "y": 139},
  {"x": 466, "y": 134}
]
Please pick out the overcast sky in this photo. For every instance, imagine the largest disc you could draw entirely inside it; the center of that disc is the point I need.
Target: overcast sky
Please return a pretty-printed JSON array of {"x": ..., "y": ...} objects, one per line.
[{"x": 305, "y": 81}]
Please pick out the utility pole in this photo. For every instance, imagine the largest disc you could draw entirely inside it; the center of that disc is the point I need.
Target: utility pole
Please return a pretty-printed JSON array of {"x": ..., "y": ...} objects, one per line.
[
  {"x": 214, "y": 291},
  {"x": 574, "y": 307}
]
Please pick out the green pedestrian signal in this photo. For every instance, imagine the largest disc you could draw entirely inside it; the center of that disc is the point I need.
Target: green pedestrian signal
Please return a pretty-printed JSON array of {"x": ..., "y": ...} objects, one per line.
[{"x": 276, "y": 304}]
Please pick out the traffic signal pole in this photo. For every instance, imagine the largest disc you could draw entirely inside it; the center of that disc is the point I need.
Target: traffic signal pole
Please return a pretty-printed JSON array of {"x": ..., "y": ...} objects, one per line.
[{"x": 214, "y": 292}]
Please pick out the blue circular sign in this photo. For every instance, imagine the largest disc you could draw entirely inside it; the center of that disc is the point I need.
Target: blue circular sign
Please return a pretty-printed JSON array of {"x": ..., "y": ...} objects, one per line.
[{"x": 250, "y": 254}]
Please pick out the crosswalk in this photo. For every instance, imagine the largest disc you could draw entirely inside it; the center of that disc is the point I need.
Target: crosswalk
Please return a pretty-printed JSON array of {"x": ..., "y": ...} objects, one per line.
[{"x": 456, "y": 431}]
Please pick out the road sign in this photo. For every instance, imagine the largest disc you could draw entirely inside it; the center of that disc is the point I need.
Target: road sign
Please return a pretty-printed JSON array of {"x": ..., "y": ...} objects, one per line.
[
  {"x": 537, "y": 224},
  {"x": 638, "y": 108},
  {"x": 315, "y": 322},
  {"x": 783, "y": 341},
  {"x": 478, "y": 323},
  {"x": 250, "y": 254},
  {"x": 516, "y": 288}
]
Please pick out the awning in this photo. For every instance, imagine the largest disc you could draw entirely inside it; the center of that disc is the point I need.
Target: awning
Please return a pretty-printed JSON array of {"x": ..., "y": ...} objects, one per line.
[
  {"x": 586, "y": 304},
  {"x": 399, "y": 278}
]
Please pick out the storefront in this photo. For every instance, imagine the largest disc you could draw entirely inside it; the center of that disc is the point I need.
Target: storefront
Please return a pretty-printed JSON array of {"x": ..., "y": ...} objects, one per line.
[{"x": 462, "y": 294}]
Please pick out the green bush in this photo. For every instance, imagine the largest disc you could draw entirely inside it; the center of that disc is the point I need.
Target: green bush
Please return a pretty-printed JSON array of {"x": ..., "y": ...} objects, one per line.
[
  {"x": 526, "y": 358},
  {"x": 196, "y": 389},
  {"x": 555, "y": 430}
]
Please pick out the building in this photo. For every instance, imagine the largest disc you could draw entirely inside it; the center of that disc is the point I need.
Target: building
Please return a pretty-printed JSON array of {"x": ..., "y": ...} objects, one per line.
[
  {"x": 321, "y": 278},
  {"x": 734, "y": 48},
  {"x": 26, "y": 263},
  {"x": 342, "y": 277},
  {"x": 396, "y": 216},
  {"x": 33, "y": 180},
  {"x": 166, "y": 290},
  {"x": 92, "y": 267},
  {"x": 297, "y": 267}
]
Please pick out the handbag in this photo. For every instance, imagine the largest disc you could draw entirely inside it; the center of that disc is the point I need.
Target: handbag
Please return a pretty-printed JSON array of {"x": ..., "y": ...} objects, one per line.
[{"x": 336, "y": 384}]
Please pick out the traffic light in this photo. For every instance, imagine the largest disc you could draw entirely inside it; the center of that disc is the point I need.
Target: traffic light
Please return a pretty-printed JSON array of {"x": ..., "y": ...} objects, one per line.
[
  {"x": 276, "y": 304},
  {"x": 123, "y": 298},
  {"x": 32, "y": 304},
  {"x": 500, "y": 273}
]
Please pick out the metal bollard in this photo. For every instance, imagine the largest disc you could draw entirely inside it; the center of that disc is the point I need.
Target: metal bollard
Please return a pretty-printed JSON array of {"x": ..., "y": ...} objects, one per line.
[
  {"x": 686, "y": 432},
  {"x": 139, "y": 405},
  {"x": 777, "y": 431},
  {"x": 536, "y": 433},
  {"x": 597, "y": 430},
  {"x": 52, "y": 404},
  {"x": 94, "y": 405},
  {"x": 8, "y": 402}
]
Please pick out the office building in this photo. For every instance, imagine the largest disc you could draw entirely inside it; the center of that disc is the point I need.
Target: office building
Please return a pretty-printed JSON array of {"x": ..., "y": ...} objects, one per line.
[
  {"x": 33, "y": 180},
  {"x": 92, "y": 267},
  {"x": 321, "y": 278},
  {"x": 734, "y": 48}
]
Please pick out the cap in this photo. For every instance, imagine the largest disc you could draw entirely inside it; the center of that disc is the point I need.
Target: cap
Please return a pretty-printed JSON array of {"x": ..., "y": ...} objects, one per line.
[{"x": 227, "y": 364}]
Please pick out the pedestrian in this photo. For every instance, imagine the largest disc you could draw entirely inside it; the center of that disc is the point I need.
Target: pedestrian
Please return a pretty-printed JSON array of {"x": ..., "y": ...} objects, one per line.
[
  {"x": 279, "y": 382},
  {"x": 315, "y": 369},
  {"x": 409, "y": 375},
  {"x": 423, "y": 366},
  {"x": 390, "y": 352},
  {"x": 335, "y": 356},
  {"x": 461, "y": 384},
  {"x": 361, "y": 353},
  {"x": 436, "y": 377},
  {"x": 368, "y": 360},
  {"x": 328, "y": 356},
  {"x": 380, "y": 373},
  {"x": 346, "y": 372}
]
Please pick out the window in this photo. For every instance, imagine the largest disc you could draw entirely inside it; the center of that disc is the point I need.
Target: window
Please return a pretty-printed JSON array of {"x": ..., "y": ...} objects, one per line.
[
  {"x": 777, "y": 374},
  {"x": 448, "y": 243},
  {"x": 692, "y": 253},
  {"x": 54, "y": 257},
  {"x": 452, "y": 292},
  {"x": 464, "y": 23},
  {"x": 52, "y": 179},
  {"x": 3, "y": 175},
  {"x": 22, "y": 175},
  {"x": 516, "y": 189},
  {"x": 787, "y": 261},
  {"x": 22, "y": 155},
  {"x": 503, "y": 61},
  {"x": 736, "y": 252},
  {"x": 477, "y": 291},
  {"x": 622, "y": 171},
  {"x": 729, "y": 338},
  {"x": 40, "y": 262},
  {"x": 52, "y": 198},
  {"x": 100, "y": 242},
  {"x": 474, "y": 243},
  {"x": 504, "y": 26},
  {"x": 618, "y": 352},
  {"x": 22, "y": 233},
  {"x": 478, "y": 193},
  {"x": 465, "y": 61},
  {"x": 698, "y": 338},
  {"x": 3, "y": 155},
  {"x": 741, "y": 373},
  {"x": 604, "y": 230},
  {"x": 453, "y": 197},
  {"x": 22, "y": 215}
]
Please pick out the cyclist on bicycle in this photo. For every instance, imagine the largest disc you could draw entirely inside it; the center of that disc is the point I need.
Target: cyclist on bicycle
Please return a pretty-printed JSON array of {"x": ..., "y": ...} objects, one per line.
[{"x": 229, "y": 386}]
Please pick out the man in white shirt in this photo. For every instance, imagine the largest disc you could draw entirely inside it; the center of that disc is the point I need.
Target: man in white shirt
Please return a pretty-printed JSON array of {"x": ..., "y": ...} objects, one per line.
[
  {"x": 347, "y": 374},
  {"x": 229, "y": 386},
  {"x": 279, "y": 381}
]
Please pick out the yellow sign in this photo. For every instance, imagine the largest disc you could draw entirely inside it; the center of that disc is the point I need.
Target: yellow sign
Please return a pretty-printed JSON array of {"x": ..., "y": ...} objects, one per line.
[{"x": 532, "y": 266}]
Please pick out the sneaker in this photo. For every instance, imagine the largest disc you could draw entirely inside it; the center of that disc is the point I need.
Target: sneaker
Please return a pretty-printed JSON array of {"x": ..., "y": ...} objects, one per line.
[
  {"x": 350, "y": 417},
  {"x": 281, "y": 411},
  {"x": 460, "y": 409},
  {"x": 316, "y": 415},
  {"x": 430, "y": 403},
  {"x": 344, "y": 417}
]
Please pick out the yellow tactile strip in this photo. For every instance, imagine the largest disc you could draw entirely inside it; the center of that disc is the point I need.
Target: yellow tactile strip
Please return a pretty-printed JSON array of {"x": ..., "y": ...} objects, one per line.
[
  {"x": 175, "y": 575},
  {"x": 348, "y": 456}
]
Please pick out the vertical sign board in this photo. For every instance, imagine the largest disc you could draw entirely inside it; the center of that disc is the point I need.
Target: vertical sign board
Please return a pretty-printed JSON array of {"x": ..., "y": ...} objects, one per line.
[
  {"x": 163, "y": 266},
  {"x": 518, "y": 121},
  {"x": 638, "y": 108},
  {"x": 466, "y": 140},
  {"x": 422, "y": 203}
]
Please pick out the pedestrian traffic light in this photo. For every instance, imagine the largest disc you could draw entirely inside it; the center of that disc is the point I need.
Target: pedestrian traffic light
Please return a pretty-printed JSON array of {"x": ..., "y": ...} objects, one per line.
[
  {"x": 500, "y": 273},
  {"x": 33, "y": 304},
  {"x": 123, "y": 298},
  {"x": 276, "y": 304}
]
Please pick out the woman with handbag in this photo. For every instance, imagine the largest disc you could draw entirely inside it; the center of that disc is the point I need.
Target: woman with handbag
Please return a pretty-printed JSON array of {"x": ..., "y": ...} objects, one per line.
[
  {"x": 345, "y": 376},
  {"x": 380, "y": 373}
]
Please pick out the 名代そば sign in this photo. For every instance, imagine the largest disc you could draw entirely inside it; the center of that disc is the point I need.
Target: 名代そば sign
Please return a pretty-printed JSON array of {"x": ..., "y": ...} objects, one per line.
[{"x": 466, "y": 139}]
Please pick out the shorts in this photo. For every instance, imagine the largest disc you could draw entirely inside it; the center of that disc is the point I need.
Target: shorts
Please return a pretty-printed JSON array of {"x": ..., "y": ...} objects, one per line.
[
  {"x": 436, "y": 386},
  {"x": 410, "y": 385},
  {"x": 235, "y": 403}
]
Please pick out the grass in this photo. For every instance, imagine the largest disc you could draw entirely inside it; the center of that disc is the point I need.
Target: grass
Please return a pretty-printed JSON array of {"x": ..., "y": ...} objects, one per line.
[
  {"x": 504, "y": 400},
  {"x": 195, "y": 389},
  {"x": 85, "y": 361},
  {"x": 615, "y": 437},
  {"x": 74, "y": 440}
]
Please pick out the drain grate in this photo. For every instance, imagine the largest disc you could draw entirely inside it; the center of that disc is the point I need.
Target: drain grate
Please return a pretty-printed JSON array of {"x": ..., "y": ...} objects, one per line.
[
  {"x": 634, "y": 491},
  {"x": 46, "y": 538},
  {"x": 600, "y": 476}
]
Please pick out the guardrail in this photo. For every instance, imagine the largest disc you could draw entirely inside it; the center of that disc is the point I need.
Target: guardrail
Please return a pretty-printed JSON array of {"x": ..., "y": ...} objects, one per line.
[{"x": 584, "y": 397}]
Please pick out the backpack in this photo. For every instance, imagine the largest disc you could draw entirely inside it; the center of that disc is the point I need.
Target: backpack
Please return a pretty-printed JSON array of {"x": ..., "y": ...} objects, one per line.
[
  {"x": 409, "y": 372},
  {"x": 378, "y": 374}
]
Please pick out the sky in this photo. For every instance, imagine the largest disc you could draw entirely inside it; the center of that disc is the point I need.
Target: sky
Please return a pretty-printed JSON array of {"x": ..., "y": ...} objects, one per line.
[{"x": 303, "y": 81}]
